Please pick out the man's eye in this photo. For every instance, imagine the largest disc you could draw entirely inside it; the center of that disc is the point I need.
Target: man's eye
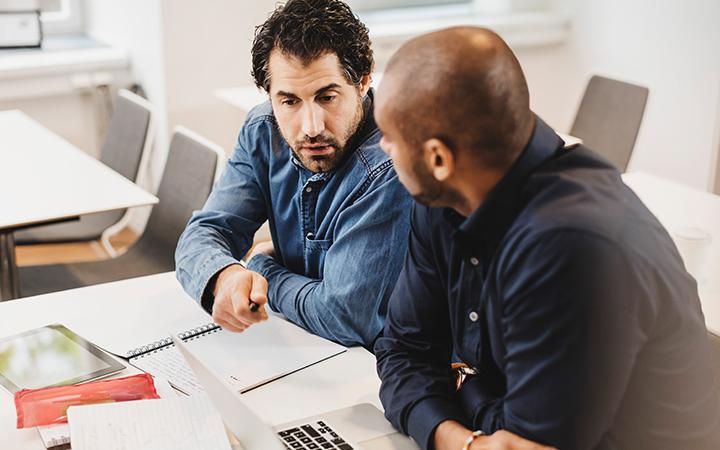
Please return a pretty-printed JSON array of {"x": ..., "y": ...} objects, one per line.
[
  {"x": 289, "y": 102},
  {"x": 327, "y": 98}
]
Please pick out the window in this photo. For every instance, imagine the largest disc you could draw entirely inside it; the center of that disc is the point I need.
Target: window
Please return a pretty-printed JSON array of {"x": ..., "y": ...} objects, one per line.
[
  {"x": 61, "y": 16},
  {"x": 368, "y": 5},
  {"x": 457, "y": 6}
]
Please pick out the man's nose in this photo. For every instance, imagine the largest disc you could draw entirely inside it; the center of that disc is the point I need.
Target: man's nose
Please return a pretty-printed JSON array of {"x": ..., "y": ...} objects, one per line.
[{"x": 313, "y": 121}]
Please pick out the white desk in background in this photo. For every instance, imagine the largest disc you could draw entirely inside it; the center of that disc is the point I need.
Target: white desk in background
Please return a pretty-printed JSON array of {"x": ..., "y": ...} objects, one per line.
[
  {"x": 244, "y": 98},
  {"x": 142, "y": 310},
  {"x": 678, "y": 206},
  {"x": 45, "y": 179}
]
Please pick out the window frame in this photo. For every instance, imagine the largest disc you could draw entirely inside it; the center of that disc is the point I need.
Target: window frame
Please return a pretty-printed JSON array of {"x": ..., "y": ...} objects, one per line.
[
  {"x": 380, "y": 5},
  {"x": 69, "y": 20}
]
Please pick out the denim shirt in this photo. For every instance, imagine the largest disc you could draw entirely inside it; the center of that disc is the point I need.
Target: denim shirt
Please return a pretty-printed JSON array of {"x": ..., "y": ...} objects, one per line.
[{"x": 339, "y": 236}]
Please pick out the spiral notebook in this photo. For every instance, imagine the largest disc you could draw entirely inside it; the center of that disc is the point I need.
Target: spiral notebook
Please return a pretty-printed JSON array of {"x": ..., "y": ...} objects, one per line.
[{"x": 262, "y": 353}]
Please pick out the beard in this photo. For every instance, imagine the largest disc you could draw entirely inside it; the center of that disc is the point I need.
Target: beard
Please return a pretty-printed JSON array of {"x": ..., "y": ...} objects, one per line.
[
  {"x": 431, "y": 192},
  {"x": 336, "y": 148}
]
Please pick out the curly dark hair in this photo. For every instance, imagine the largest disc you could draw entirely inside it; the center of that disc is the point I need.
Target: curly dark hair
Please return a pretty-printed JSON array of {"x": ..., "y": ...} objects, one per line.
[{"x": 308, "y": 29}]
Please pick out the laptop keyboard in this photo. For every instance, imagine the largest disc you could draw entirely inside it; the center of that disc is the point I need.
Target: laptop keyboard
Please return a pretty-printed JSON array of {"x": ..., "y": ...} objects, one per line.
[{"x": 313, "y": 436}]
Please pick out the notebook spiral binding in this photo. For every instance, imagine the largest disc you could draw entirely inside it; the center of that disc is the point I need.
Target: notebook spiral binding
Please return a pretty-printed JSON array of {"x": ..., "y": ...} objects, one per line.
[{"x": 185, "y": 336}]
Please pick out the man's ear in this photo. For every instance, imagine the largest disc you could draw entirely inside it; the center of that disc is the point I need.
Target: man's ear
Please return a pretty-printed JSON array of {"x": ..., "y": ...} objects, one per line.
[
  {"x": 364, "y": 85},
  {"x": 439, "y": 158}
]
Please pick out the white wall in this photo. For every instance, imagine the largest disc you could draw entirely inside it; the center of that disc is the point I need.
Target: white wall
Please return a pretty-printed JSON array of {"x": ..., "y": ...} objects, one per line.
[
  {"x": 208, "y": 47},
  {"x": 717, "y": 147},
  {"x": 672, "y": 47},
  {"x": 136, "y": 25}
]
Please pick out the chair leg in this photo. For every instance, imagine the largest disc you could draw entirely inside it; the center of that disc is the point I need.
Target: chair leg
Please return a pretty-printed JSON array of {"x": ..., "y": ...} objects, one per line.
[
  {"x": 9, "y": 274},
  {"x": 114, "y": 229},
  {"x": 4, "y": 269}
]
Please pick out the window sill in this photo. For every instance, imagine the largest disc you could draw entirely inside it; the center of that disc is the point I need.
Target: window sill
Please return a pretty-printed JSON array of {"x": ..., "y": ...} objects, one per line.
[{"x": 64, "y": 64}]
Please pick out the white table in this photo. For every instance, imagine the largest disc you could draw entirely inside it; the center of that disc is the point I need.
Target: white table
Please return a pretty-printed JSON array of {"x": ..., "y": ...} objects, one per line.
[
  {"x": 144, "y": 309},
  {"x": 244, "y": 98},
  {"x": 45, "y": 179},
  {"x": 677, "y": 206}
]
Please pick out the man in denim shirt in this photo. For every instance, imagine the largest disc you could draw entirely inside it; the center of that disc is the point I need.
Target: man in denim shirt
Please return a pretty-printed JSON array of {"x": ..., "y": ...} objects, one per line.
[{"x": 309, "y": 162}]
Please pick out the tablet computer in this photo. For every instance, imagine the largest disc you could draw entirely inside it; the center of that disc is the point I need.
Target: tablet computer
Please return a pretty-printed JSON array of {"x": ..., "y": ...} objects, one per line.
[{"x": 51, "y": 356}]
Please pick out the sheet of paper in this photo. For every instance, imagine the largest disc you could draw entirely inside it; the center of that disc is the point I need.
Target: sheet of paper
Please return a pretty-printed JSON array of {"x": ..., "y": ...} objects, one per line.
[
  {"x": 264, "y": 352},
  {"x": 181, "y": 423},
  {"x": 55, "y": 435},
  {"x": 169, "y": 364}
]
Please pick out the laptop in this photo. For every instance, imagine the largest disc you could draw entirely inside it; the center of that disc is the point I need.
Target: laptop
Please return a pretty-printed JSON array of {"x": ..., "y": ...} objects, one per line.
[{"x": 359, "y": 427}]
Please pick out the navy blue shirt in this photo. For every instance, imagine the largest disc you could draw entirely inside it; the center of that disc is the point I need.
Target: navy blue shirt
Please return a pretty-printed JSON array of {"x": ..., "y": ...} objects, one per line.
[{"x": 569, "y": 299}]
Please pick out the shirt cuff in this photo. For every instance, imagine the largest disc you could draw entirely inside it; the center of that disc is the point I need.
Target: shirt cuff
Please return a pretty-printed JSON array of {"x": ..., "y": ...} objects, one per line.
[
  {"x": 209, "y": 271},
  {"x": 260, "y": 263},
  {"x": 426, "y": 415},
  {"x": 475, "y": 397}
]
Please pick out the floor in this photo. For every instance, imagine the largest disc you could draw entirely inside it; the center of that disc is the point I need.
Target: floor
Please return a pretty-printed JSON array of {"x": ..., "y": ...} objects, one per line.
[{"x": 29, "y": 255}]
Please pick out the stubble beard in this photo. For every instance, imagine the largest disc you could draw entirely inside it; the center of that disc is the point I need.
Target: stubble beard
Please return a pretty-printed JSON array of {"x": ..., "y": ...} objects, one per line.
[{"x": 327, "y": 163}]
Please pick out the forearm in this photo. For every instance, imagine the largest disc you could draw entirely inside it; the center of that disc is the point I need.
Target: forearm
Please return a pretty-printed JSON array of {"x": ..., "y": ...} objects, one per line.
[
  {"x": 201, "y": 253},
  {"x": 311, "y": 304},
  {"x": 450, "y": 435}
]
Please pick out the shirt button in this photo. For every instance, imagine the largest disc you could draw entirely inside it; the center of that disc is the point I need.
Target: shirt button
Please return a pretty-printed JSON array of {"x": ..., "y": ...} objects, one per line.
[
  {"x": 474, "y": 261},
  {"x": 309, "y": 235},
  {"x": 473, "y": 316},
  {"x": 308, "y": 189}
]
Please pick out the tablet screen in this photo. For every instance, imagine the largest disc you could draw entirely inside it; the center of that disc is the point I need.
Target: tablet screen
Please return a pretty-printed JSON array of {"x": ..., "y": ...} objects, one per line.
[{"x": 51, "y": 356}]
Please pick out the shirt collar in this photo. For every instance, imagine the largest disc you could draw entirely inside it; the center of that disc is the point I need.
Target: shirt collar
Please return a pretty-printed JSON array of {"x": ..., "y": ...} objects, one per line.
[{"x": 485, "y": 227}]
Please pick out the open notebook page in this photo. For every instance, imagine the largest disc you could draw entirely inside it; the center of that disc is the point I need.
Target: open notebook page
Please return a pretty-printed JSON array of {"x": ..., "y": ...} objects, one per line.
[{"x": 181, "y": 423}]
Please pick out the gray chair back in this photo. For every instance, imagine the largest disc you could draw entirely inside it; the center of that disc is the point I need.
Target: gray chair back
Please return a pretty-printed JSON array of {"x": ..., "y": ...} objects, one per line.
[
  {"x": 127, "y": 132},
  {"x": 609, "y": 118},
  {"x": 186, "y": 183},
  {"x": 715, "y": 354}
]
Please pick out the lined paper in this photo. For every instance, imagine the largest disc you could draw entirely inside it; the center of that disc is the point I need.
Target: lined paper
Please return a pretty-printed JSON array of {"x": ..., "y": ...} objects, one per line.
[
  {"x": 182, "y": 423},
  {"x": 168, "y": 363}
]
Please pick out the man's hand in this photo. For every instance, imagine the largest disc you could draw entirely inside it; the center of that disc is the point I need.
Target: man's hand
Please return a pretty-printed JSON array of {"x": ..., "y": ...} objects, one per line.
[
  {"x": 451, "y": 435},
  {"x": 235, "y": 288},
  {"x": 505, "y": 440},
  {"x": 265, "y": 248}
]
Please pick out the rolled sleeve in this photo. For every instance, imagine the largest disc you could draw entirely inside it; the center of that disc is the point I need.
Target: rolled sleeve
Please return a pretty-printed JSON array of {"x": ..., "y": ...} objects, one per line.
[{"x": 222, "y": 232}]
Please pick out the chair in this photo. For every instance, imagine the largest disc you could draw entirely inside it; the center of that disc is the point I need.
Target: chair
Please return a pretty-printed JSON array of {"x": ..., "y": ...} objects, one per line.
[
  {"x": 715, "y": 354},
  {"x": 190, "y": 172},
  {"x": 609, "y": 118},
  {"x": 126, "y": 150}
]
